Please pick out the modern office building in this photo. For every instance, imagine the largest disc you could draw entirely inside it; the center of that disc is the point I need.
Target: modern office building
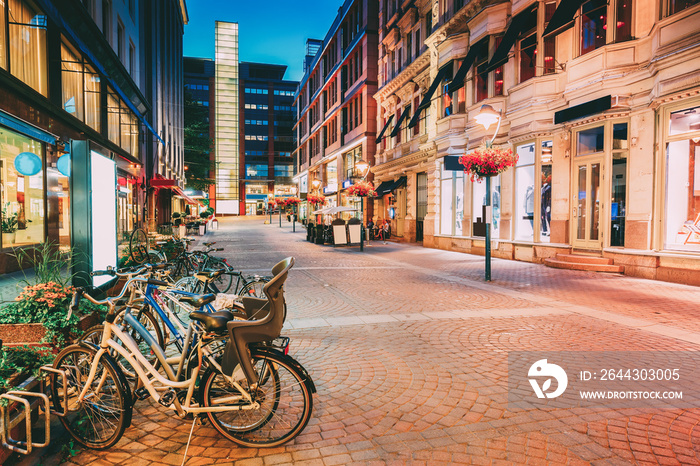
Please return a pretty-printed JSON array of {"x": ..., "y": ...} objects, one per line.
[
  {"x": 601, "y": 102},
  {"x": 336, "y": 112},
  {"x": 76, "y": 118},
  {"x": 199, "y": 87},
  {"x": 162, "y": 30},
  {"x": 267, "y": 112}
]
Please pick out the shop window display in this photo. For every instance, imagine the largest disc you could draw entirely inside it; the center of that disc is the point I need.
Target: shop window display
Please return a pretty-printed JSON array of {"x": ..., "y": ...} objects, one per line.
[
  {"x": 545, "y": 191},
  {"x": 478, "y": 203},
  {"x": 451, "y": 202},
  {"x": 525, "y": 195},
  {"x": 682, "y": 228},
  {"x": 22, "y": 195},
  {"x": 618, "y": 204}
]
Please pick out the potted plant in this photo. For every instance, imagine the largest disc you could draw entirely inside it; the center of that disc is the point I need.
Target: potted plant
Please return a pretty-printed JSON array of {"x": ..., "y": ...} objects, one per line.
[{"x": 9, "y": 227}]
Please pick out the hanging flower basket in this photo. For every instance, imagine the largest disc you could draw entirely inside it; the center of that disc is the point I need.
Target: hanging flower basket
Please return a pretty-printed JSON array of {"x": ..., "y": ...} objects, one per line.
[
  {"x": 292, "y": 202},
  {"x": 488, "y": 161},
  {"x": 280, "y": 201},
  {"x": 316, "y": 200},
  {"x": 362, "y": 189}
]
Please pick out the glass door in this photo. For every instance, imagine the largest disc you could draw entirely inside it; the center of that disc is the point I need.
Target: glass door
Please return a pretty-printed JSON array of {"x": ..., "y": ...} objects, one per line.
[{"x": 587, "y": 205}]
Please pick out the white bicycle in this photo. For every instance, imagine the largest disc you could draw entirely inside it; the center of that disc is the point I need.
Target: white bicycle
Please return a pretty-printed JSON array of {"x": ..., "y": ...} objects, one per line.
[{"x": 255, "y": 394}]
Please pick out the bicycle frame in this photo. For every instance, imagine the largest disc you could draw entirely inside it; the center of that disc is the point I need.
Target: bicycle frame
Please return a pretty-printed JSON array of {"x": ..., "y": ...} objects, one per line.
[{"x": 129, "y": 350}]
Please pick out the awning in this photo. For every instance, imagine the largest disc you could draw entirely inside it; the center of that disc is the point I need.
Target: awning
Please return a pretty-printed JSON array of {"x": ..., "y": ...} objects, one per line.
[
  {"x": 520, "y": 23},
  {"x": 452, "y": 163},
  {"x": 397, "y": 126},
  {"x": 384, "y": 187},
  {"x": 386, "y": 126},
  {"x": 458, "y": 80},
  {"x": 563, "y": 17},
  {"x": 389, "y": 186},
  {"x": 26, "y": 128},
  {"x": 164, "y": 183},
  {"x": 425, "y": 103}
]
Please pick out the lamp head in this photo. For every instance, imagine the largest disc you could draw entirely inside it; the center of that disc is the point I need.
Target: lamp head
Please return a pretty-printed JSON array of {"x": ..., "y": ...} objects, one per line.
[
  {"x": 363, "y": 167},
  {"x": 316, "y": 183},
  {"x": 487, "y": 116}
]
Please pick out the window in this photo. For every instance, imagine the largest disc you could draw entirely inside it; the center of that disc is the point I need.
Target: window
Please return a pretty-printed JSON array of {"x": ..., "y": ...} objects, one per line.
[
  {"x": 479, "y": 209},
  {"x": 409, "y": 47},
  {"x": 428, "y": 23},
  {"x": 549, "y": 43},
  {"x": 255, "y": 171},
  {"x": 417, "y": 42},
  {"x": 623, "y": 20},
  {"x": 525, "y": 196},
  {"x": 481, "y": 83},
  {"x": 122, "y": 124},
  {"x": 22, "y": 196},
  {"x": 27, "y": 45},
  {"x": 590, "y": 141},
  {"x": 107, "y": 20},
  {"x": 132, "y": 9},
  {"x": 120, "y": 40},
  {"x": 446, "y": 98},
  {"x": 92, "y": 98},
  {"x": 682, "y": 209},
  {"x": 72, "y": 82},
  {"x": 674, "y": 6},
  {"x": 545, "y": 190},
  {"x": 618, "y": 202},
  {"x": 451, "y": 202},
  {"x": 284, "y": 171},
  {"x": 594, "y": 22},
  {"x": 528, "y": 56},
  {"x": 132, "y": 59}
]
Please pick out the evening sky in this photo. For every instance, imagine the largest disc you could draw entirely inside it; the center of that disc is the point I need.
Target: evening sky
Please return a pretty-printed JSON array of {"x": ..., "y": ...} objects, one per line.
[{"x": 273, "y": 31}]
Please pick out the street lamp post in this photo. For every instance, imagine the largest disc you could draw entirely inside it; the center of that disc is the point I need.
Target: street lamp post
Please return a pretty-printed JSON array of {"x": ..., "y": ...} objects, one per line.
[
  {"x": 294, "y": 211},
  {"x": 363, "y": 167},
  {"x": 486, "y": 117}
]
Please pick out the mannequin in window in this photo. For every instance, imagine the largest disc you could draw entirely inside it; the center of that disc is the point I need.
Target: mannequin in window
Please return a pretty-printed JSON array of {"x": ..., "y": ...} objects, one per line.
[
  {"x": 529, "y": 204},
  {"x": 546, "y": 205}
]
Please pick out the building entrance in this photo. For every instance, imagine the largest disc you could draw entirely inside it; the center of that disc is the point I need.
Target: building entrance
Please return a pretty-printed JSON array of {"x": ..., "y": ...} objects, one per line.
[{"x": 587, "y": 204}]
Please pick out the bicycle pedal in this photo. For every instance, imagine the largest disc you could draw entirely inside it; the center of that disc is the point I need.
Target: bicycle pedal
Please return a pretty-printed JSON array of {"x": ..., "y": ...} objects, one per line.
[
  {"x": 167, "y": 398},
  {"x": 142, "y": 393}
]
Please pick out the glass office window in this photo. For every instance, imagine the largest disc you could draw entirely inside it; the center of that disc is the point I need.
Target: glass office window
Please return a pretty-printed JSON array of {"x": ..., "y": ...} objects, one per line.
[
  {"x": 28, "y": 61},
  {"x": 92, "y": 98},
  {"x": 72, "y": 82}
]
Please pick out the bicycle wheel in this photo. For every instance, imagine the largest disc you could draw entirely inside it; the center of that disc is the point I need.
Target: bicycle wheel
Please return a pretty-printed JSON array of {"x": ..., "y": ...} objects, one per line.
[
  {"x": 100, "y": 419},
  {"x": 189, "y": 284},
  {"x": 254, "y": 288},
  {"x": 138, "y": 246},
  {"x": 284, "y": 403}
]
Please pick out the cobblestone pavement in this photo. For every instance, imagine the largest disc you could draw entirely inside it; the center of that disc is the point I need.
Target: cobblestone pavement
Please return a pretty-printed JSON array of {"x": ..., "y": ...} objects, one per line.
[{"x": 408, "y": 349}]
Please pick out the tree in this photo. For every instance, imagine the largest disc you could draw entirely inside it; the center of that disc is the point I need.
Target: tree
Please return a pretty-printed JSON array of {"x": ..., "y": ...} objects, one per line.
[{"x": 197, "y": 144}]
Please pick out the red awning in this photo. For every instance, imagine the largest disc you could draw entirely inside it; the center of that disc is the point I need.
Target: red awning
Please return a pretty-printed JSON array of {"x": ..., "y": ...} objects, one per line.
[{"x": 163, "y": 183}]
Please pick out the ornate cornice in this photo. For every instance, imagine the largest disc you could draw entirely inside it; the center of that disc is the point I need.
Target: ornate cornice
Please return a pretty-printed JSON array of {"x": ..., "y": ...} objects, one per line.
[{"x": 405, "y": 76}]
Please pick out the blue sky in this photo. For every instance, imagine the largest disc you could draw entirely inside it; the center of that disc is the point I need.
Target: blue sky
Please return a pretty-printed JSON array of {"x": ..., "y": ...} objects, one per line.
[{"x": 269, "y": 31}]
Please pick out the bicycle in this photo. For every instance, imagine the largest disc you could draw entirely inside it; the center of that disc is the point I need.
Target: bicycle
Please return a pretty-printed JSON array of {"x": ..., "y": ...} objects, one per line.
[
  {"x": 266, "y": 401},
  {"x": 246, "y": 285},
  {"x": 139, "y": 248}
]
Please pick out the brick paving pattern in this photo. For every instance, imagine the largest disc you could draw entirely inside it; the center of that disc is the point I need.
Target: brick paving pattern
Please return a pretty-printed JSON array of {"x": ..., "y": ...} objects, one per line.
[{"x": 408, "y": 349}]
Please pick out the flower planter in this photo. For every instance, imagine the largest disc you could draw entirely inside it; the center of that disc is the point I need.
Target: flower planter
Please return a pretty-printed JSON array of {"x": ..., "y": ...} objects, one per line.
[{"x": 32, "y": 334}]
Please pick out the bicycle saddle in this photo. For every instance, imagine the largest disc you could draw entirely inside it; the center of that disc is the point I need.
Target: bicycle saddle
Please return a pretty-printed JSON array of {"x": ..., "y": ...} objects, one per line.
[
  {"x": 198, "y": 300},
  {"x": 212, "y": 243},
  {"x": 208, "y": 274},
  {"x": 213, "y": 321}
]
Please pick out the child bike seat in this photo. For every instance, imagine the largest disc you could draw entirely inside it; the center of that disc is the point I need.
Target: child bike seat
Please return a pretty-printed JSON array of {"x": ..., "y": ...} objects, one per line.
[{"x": 266, "y": 327}]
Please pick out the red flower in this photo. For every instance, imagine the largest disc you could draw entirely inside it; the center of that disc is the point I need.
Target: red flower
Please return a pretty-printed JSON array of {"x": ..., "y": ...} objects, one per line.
[
  {"x": 487, "y": 161},
  {"x": 316, "y": 200},
  {"x": 362, "y": 189}
]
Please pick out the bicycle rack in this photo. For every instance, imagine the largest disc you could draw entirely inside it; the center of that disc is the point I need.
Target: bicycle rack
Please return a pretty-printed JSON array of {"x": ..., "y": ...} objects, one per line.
[{"x": 21, "y": 397}]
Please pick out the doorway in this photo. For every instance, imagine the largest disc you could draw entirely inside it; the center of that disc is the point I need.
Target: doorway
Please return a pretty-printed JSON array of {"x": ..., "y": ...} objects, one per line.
[{"x": 587, "y": 203}]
